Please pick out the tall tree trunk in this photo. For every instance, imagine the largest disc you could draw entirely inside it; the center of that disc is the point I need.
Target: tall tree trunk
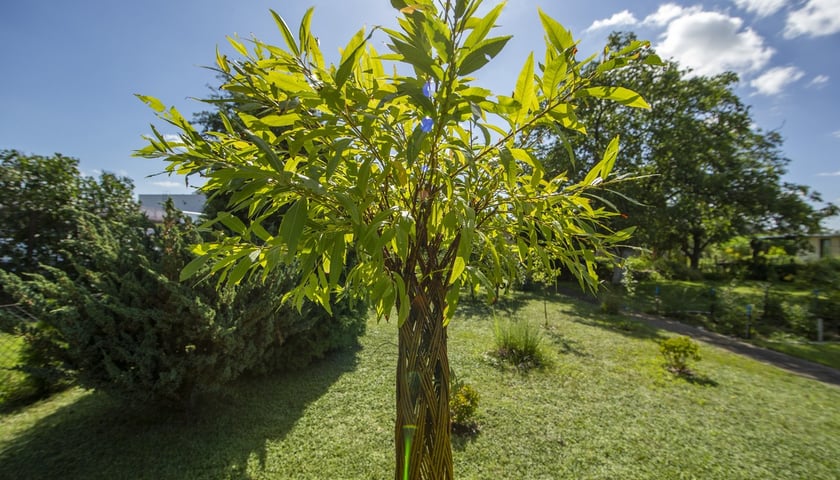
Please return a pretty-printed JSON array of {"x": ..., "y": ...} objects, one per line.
[{"x": 422, "y": 429}]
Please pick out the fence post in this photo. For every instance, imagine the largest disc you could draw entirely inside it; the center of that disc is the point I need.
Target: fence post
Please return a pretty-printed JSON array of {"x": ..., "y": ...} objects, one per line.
[
  {"x": 815, "y": 309},
  {"x": 749, "y": 320}
]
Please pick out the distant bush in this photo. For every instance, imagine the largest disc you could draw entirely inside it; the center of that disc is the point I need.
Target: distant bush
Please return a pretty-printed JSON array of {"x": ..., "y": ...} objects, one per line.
[
  {"x": 823, "y": 273},
  {"x": 678, "y": 352},
  {"x": 519, "y": 343}
]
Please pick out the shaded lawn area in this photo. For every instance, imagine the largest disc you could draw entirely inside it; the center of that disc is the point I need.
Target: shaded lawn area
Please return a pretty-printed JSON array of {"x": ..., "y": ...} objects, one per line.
[{"x": 604, "y": 408}]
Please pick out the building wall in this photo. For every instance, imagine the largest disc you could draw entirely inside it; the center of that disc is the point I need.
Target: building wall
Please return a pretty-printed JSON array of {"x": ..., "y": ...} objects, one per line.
[{"x": 823, "y": 246}]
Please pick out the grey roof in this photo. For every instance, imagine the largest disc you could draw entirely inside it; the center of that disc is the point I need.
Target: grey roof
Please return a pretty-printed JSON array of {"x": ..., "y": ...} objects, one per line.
[{"x": 190, "y": 204}]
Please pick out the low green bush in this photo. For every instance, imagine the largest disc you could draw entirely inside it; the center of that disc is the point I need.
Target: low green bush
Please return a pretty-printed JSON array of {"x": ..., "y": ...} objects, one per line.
[
  {"x": 678, "y": 352},
  {"x": 463, "y": 404}
]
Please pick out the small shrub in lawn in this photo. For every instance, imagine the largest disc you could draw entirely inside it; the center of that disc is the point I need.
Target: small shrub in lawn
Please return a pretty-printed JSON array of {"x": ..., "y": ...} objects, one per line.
[
  {"x": 520, "y": 344},
  {"x": 678, "y": 351},
  {"x": 463, "y": 404}
]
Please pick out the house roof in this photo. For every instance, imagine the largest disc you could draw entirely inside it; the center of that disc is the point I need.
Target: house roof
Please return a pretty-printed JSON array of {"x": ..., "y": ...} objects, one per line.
[{"x": 189, "y": 204}]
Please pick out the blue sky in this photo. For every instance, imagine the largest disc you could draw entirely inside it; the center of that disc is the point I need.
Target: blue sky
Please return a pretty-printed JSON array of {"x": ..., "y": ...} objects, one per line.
[{"x": 70, "y": 69}]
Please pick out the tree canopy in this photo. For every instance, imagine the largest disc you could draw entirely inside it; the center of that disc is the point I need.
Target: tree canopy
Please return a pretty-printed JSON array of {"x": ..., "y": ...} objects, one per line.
[{"x": 710, "y": 174}]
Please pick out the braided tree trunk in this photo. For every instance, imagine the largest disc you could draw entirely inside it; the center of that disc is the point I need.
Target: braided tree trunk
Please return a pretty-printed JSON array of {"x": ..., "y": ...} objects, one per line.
[{"x": 422, "y": 428}]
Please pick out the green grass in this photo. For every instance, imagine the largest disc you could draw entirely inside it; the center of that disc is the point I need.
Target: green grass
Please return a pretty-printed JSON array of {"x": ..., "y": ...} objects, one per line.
[
  {"x": 603, "y": 408},
  {"x": 14, "y": 384},
  {"x": 824, "y": 353}
]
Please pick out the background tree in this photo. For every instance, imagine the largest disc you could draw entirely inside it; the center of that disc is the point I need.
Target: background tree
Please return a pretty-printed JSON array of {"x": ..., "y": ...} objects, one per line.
[
  {"x": 405, "y": 171},
  {"x": 38, "y": 200},
  {"x": 709, "y": 173}
]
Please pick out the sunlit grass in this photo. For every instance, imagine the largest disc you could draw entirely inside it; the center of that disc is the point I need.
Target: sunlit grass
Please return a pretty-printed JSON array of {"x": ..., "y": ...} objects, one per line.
[
  {"x": 603, "y": 407},
  {"x": 14, "y": 384}
]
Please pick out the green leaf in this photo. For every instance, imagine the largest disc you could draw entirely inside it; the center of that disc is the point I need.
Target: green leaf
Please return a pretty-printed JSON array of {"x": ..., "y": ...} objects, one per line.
[
  {"x": 457, "y": 269},
  {"x": 524, "y": 92},
  {"x": 554, "y": 74},
  {"x": 622, "y": 95},
  {"x": 238, "y": 272},
  {"x": 482, "y": 54},
  {"x": 280, "y": 120},
  {"x": 287, "y": 34},
  {"x": 483, "y": 27},
  {"x": 232, "y": 222},
  {"x": 610, "y": 154},
  {"x": 350, "y": 57},
  {"x": 337, "y": 260},
  {"x": 221, "y": 61},
  {"x": 193, "y": 267},
  {"x": 304, "y": 31},
  {"x": 558, "y": 36},
  {"x": 153, "y": 102},
  {"x": 292, "y": 225}
]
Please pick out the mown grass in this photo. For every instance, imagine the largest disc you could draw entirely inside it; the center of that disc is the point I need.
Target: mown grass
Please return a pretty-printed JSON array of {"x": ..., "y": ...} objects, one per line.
[
  {"x": 823, "y": 353},
  {"x": 603, "y": 408}
]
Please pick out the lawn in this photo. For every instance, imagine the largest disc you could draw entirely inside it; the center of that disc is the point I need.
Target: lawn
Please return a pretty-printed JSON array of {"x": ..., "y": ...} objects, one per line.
[
  {"x": 14, "y": 384},
  {"x": 604, "y": 408}
]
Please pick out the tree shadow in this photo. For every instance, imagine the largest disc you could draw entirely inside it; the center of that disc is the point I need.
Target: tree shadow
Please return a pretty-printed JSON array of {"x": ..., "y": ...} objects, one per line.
[
  {"x": 701, "y": 380},
  {"x": 99, "y": 437},
  {"x": 461, "y": 439},
  {"x": 589, "y": 314},
  {"x": 566, "y": 345},
  {"x": 478, "y": 308}
]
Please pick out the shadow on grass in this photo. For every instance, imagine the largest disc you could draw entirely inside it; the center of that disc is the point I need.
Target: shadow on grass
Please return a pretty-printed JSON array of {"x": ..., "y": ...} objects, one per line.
[
  {"x": 97, "y": 437},
  {"x": 460, "y": 440},
  {"x": 590, "y": 314},
  {"x": 506, "y": 306},
  {"x": 565, "y": 345},
  {"x": 697, "y": 379}
]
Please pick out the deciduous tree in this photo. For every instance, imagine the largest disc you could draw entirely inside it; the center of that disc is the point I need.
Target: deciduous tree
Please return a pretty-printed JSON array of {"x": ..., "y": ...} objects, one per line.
[{"x": 710, "y": 174}]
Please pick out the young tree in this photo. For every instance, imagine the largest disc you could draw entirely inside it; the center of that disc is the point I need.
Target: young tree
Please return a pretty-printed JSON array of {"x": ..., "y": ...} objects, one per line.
[{"x": 407, "y": 172}]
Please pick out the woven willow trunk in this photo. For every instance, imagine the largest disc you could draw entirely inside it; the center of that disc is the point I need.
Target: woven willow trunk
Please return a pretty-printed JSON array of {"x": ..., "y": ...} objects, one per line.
[{"x": 424, "y": 448}]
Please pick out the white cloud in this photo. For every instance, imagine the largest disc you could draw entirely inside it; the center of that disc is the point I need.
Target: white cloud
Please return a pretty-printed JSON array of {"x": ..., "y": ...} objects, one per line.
[
  {"x": 762, "y": 8},
  {"x": 167, "y": 184},
  {"x": 773, "y": 81},
  {"x": 816, "y": 18},
  {"x": 667, "y": 12},
  {"x": 836, "y": 134},
  {"x": 818, "y": 81},
  {"x": 623, "y": 17},
  {"x": 829, "y": 174},
  {"x": 711, "y": 43}
]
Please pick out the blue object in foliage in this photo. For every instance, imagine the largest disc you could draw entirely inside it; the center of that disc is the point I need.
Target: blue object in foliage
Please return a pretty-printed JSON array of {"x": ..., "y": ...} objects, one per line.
[{"x": 426, "y": 124}]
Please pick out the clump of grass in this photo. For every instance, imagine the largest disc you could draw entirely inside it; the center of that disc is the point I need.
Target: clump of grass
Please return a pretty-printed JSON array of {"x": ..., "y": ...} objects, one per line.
[{"x": 519, "y": 343}]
